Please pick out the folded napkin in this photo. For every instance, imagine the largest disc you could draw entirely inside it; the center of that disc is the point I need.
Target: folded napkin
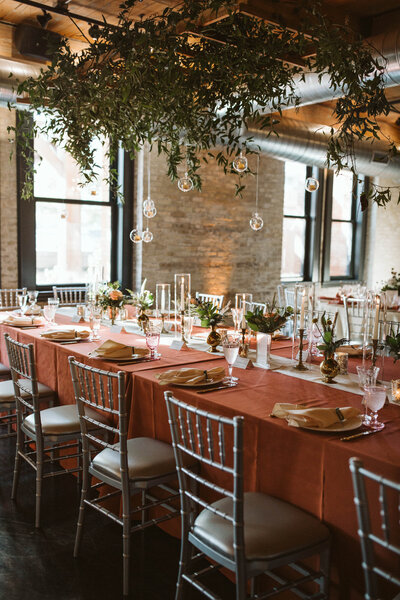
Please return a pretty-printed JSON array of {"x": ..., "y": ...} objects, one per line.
[
  {"x": 22, "y": 321},
  {"x": 300, "y": 416},
  {"x": 111, "y": 349},
  {"x": 190, "y": 376},
  {"x": 66, "y": 333},
  {"x": 352, "y": 350}
]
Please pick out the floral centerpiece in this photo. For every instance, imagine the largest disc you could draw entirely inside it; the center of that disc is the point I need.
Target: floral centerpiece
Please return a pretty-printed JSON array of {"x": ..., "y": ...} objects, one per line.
[
  {"x": 329, "y": 367},
  {"x": 271, "y": 320},
  {"x": 143, "y": 300},
  {"x": 393, "y": 346},
  {"x": 111, "y": 299},
  {"x": 210, "y": 316},
  {"x": 392, "y": 284}
]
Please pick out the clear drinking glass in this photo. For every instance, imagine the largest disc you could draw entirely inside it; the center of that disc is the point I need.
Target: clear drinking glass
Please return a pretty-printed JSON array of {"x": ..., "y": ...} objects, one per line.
[
  {"x": 230, "y": 346},
  {"x": 95, "y": 313},
  {"x": 49, "y": 312},
  {"x": 152, "y": 342},
  {"x": 237, "y": 315},
  {"x": 366, "y": 377},
  {"x": 22, "y": 300},
  {"x": 32, "y": 297},
  {"x": 374, "y": 398}
]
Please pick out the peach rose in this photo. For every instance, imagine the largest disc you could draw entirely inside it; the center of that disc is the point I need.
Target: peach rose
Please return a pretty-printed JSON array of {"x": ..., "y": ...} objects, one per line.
[{"x": 115, "y": 295}]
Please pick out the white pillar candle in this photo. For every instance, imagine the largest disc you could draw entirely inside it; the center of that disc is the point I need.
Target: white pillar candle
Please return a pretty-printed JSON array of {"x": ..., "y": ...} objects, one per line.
[
  {"x": 163, "y": 300},
  {"x": 244, "y": 324},
  {"x": 376, "y": 322},
  {"x": 302, "y": 311},
  {"x": 182, "y": 293}
]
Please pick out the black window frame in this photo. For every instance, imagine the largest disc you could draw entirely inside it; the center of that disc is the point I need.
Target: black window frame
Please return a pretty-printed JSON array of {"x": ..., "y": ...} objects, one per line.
[{"x": 121, "y": 223}]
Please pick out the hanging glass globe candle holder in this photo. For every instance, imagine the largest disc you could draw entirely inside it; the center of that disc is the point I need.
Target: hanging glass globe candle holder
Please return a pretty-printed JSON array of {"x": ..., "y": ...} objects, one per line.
[
  {"x": 149, "y": 208},
  {"x": 147, "y": 236},
  {"x": 256, "y": 222},
  {"x": 185, "y": 184},
  {"x": 135, "y": 236},
  {"x": 312, "y": 184},
  {"x": 240, "y": 163}
]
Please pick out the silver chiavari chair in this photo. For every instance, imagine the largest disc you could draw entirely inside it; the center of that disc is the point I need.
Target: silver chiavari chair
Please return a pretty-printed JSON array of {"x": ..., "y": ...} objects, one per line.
[
  {"x": 213, "y": 298},
  {"x": 51, "y": 429},
  {"x": 8, "y": 298},
  {"x": 130, "y": 466},
  {"x": 260, "y": 305},
  {"x": 247, "y": 533},
  {"x": 355, "y": 319},
  {"x": 386, "y": 494},
  {"x": 70, "y": 296}
]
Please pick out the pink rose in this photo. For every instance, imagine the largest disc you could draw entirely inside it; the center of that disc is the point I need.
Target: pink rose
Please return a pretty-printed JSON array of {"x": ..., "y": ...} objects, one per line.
[{"x": 115, "y": 295}]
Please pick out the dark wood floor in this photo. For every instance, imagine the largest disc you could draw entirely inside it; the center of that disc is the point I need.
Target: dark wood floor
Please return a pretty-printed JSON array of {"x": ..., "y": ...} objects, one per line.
[{"x": 38, "y": 564}]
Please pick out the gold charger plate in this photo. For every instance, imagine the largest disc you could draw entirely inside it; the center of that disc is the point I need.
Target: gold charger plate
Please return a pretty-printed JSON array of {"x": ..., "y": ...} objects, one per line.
[{"x": 351, "y": 424}]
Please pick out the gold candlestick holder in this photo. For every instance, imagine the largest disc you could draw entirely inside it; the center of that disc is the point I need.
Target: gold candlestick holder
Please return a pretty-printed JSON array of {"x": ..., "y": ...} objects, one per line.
[
  {"x": 243, "y": 348},
  {"x": 300, "y": 365},
  {"x": 184, "y": 340},
  {"x": 374, "y": 351},
  {"x": 163, "y": 330}
]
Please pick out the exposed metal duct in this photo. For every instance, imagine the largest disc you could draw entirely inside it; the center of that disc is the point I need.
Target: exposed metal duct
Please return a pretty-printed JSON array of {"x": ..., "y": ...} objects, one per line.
[
  {"x": 307, "y": 143},
  {"x": 20, "y": 71}
]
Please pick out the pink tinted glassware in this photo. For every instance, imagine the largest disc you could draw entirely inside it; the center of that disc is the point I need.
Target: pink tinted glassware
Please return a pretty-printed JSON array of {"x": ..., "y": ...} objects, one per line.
[
  {"x": 374, "y": 396},
  {"x": 152, "y": 342}
]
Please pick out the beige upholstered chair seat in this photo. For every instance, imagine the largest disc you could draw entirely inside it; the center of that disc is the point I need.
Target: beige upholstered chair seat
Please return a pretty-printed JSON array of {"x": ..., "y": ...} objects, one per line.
[
  {"x": 7, "y": 390},
  {"x": 60, "y": 420},
  {"x": 272, "y": 527},
  {"x": 147, "y": 458}
]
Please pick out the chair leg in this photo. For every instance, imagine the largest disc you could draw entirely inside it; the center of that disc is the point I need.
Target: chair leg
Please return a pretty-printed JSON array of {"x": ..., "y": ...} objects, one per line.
[
  {"x": 184, "y": 560},
  {"x": 81, "y": 515},
  {"x": 126, "y": 539},
  {"x": 39, "y": 481},
  {"x": 324, "y": 567},
  {"x": 143, "y": 512},
  {"x": 17, "y": 469}
]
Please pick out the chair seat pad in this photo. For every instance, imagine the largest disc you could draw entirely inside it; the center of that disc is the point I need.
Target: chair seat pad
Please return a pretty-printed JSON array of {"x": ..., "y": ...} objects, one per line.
[
  {"x": 147, "y": 459},
  {"x": 272, "y": 527},
  {"x": 4, "y": 371},
  {"x": 7, "y": 390},
  {"x": 61, "y": 420}
]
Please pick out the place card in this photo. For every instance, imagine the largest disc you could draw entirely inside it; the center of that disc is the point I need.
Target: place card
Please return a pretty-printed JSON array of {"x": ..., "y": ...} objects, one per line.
[
  {"x": 176, "y": 345},
  {"x": 116, "y": 328},
  {"x": 242, "y": 363},
  {"x": 77, "y": 319}
]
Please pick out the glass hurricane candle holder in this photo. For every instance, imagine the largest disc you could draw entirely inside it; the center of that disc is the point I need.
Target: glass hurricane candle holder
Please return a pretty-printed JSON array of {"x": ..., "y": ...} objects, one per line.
[
  {"x": 395, "y": 391},
  {"x": 182, "y": 290}
]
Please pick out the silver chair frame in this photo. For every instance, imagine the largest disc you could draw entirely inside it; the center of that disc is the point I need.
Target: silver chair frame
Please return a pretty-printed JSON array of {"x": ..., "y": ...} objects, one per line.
[
  {"x": 216, "y": 300},
  {"x": 355, "y": 318},
  {"x": 193, "y": 432},
  {"x": 8, "y": 297},
  {"x": 22, "y": 363},
  {"x": 368, "y": 539},
  {"x": 261, "y": 305},
  {"x": 94, "y": 388},
  {"x": 70, "y": 296}
]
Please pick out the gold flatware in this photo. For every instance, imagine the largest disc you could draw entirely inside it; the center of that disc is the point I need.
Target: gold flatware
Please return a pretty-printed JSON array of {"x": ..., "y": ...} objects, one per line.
[
  {"x": 136, "y": 360},
  {"x": 215, "y": 389},
  {"x": 357, "y": 435}
]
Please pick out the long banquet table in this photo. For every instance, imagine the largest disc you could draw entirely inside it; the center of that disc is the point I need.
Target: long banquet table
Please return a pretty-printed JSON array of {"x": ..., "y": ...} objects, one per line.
[{"x": 306, "y": 468}]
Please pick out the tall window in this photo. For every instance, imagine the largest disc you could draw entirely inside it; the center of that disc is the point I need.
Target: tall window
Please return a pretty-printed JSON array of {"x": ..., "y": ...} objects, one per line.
[
  {"x": 72, "y": 222},
  {"x": 298, "y": 224},
  {"x": 69, "y": 229},
  {"x": 344, "y": 228}
]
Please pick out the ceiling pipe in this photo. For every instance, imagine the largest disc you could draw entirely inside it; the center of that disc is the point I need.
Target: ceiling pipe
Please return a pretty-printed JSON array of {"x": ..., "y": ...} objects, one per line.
[{"x": 308, "y": 143}]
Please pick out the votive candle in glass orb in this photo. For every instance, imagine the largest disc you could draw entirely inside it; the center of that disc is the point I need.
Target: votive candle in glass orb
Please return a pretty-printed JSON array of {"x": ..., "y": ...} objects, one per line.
[{"x": 312, "y": 184}]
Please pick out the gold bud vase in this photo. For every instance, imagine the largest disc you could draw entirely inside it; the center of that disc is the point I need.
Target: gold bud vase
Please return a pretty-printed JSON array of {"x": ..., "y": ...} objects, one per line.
[
  {"x": 329, "y": 369},
  {"x": 213, "y": 339},
  {"x": 143, "y": 320}
]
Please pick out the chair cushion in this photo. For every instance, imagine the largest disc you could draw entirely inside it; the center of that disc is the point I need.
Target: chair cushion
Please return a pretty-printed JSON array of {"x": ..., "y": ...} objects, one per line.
[
  {"x": 4, "y": 371},
  {"x": 147, "y": 459},
  {"x": 7, "y": 390},
  {"x": 61, "y": 420},
  {"x": 272, "y": 527}
]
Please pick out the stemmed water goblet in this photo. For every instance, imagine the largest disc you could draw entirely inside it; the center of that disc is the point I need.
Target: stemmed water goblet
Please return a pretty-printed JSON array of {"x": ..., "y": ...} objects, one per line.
[
  {"x": 153, "y": 339},
  {"x": 95, "y": 313},
  {"x": 366, "y": 377},
  {"x": 237, "y": 315},
  {"x": 374, "y": 398},
  {"x": 32, "y": 297},
  {"x": 230, "y": 346},
  {"x": 22, "y": 302},
  {"x": 49, "y": 312}
]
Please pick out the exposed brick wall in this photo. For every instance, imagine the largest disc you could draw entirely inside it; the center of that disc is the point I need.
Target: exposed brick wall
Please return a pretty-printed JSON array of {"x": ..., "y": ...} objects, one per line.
[
  {"x": 8, "y": 205},
  {"x": 208, "y": 233}
]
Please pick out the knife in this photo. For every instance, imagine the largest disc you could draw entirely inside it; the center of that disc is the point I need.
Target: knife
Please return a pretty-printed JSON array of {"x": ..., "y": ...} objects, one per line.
[
  {"x": 357, "y": 435},
  {"x": 135, "y": 361},
  {"x": 214, "y": 389}
]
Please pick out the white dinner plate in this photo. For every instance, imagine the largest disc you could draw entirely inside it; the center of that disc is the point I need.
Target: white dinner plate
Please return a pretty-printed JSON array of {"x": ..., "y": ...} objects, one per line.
[
  {"x": 349, "y": 425},
  {"x": 210, "y": 381}
]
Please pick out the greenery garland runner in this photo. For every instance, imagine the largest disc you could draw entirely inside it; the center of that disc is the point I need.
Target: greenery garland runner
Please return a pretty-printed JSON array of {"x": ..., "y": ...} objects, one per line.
[{"x": 151, "y": 81}]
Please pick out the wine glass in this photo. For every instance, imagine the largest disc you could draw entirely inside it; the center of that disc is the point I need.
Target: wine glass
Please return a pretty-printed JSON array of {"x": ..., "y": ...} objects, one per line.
[
  {"x": 237, "y": 315},
  {"x": 153, "y": 341},
  {"x": 366, "y": 377},
  {"x": 230, "y": 346},
  {"x": 374, "y": 398},
  {"x": 22, "y": 300},
  {"x": 95, "y": 313},
  {"x": 32, "y": 297},
  {"x": 49, "y": 312}
]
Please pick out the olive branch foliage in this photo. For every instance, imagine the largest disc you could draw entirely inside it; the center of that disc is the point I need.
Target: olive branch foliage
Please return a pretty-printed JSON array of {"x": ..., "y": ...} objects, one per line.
[{"x": 192, "y": 96}]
